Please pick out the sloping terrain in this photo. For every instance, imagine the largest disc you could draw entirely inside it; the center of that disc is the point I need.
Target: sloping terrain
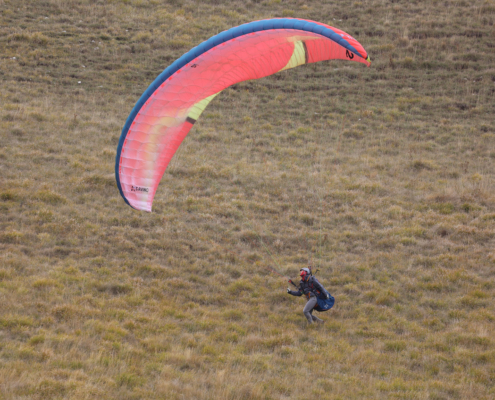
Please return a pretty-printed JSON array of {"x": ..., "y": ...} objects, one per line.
[{"x": 383, "y": 177}]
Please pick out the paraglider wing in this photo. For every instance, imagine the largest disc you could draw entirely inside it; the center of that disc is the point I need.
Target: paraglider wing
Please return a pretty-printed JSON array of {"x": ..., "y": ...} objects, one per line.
[{"x": 168, "y": 109}]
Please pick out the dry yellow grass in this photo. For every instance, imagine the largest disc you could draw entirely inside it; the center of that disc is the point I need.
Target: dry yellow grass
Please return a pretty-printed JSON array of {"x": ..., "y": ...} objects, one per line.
[{"x": 383, "y": 176}]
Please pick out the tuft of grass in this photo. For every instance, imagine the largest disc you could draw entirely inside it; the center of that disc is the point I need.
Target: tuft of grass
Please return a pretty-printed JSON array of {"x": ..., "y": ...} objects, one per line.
[{"x": 50, "y": 197}]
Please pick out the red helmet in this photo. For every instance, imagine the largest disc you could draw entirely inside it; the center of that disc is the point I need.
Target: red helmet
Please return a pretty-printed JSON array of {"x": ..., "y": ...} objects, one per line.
[{"x": 304, "y": 272}]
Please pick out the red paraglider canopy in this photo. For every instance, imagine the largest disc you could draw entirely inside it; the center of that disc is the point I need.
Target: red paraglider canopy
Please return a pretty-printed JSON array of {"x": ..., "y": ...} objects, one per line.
[{"x": 171, "y": 105}]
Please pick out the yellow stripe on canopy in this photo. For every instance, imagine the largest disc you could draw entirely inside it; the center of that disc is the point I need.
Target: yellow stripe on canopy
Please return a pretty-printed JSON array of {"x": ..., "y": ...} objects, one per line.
[
  {"x": 298, "y": 56},
  {"x": 199, "y": 107}
]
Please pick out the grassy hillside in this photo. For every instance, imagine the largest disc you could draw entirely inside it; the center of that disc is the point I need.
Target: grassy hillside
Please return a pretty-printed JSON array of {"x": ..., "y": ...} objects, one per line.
[{"x": 383, "y": 176}]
